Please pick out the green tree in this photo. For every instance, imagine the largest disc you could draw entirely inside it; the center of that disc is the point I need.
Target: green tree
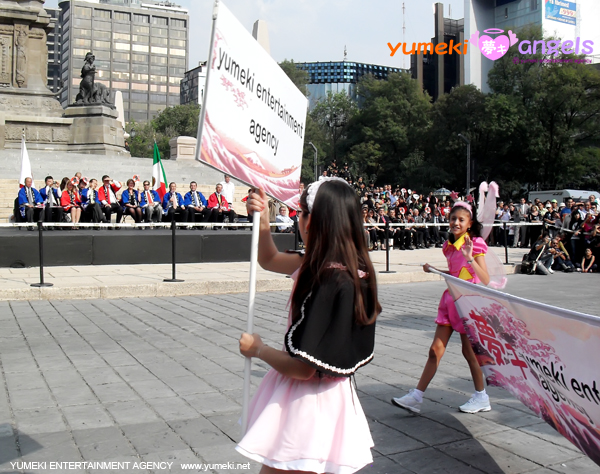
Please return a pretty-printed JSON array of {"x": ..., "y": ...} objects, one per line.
[
  {"x": 390, "y": 126},
  {"x": 332, "y": 115},
  {"x": 558, "y": 108},
  {"x": 298, "y": 76},
  {"x": 176, "y": 121}
]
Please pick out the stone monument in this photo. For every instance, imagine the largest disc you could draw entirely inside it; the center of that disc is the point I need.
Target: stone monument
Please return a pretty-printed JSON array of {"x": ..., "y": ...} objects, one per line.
[
  {"x": 25, "y": 101},
  {"x": 95, "y": 126}
]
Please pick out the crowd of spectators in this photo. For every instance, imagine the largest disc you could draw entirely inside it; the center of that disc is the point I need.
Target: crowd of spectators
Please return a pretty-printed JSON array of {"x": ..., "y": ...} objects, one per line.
[
  {"x": 570, "y": 229},
  {"x": 78, "y": 200}
]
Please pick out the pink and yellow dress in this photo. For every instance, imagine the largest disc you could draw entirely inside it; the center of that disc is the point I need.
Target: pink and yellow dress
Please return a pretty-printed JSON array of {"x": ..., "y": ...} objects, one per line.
[
  {"x": 459, "y": 268},
  {"x": 316, "y": 425}
]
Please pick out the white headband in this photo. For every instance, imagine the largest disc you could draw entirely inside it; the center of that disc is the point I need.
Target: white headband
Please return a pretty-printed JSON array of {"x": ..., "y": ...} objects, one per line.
[{"x": 313, "y": 189}]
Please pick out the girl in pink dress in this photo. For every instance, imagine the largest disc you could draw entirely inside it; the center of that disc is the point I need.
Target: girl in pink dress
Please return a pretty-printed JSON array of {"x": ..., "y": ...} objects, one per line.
[
  {"x": 465, "y": 252},
  {"x": 306, "y": 415}
]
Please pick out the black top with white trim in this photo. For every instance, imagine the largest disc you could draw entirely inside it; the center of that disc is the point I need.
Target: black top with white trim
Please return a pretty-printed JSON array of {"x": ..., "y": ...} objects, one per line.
[{"x": 326, "y": 336}]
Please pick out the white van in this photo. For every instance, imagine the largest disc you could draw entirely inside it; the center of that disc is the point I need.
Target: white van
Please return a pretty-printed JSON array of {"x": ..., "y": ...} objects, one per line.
[{"x": 561, "y": 194}]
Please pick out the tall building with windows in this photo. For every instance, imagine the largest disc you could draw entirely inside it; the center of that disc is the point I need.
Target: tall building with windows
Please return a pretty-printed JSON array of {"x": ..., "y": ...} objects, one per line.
[
  {"x": 564, "y": 19},
  {"x": 439, "y": 73},
  {"x": 53, "y": 42},
  {"x": 192, "y": 85},
  {"x": 141, "y": 49},
  {"x": 324, "y": 77}
]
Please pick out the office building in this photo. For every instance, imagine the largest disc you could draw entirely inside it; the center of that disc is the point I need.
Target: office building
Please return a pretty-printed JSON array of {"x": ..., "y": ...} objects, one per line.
[
  {"x": 566, "y": 20},
  {"x": 53, "y": 42},
  {"x": 141, "y": 49},
  {"x": 342, "y": 76},
  {"x": 192, "y": 85},
  {"x": 439, "y": 73}
]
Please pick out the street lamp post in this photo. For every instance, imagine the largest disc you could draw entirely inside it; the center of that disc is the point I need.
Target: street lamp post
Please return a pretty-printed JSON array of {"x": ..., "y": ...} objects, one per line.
[
  {"x": 468, "y": 142},
  {"x": 314, "y": 148}
]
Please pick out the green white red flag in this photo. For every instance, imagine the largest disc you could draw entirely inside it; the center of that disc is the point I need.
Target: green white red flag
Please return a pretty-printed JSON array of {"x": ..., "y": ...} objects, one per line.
[{"x": 159, "y": 179}]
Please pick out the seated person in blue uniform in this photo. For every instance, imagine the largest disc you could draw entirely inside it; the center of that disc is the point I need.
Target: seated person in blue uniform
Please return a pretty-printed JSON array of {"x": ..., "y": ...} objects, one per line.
[
  {"x": 130, "y": 200},
  {"x": 196, "y": 204},
  {"x": 150, "y": 202},
  {"x": 90, "y": 204},
  {"x": 174, "y": 205},
  {"x": 53, "y": 211},
  {"x": 31, "y": 204}
]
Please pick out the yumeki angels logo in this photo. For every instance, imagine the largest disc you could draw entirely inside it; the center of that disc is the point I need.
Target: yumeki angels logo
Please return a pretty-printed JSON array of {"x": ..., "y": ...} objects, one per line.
[{"x": 494, "y": 48}]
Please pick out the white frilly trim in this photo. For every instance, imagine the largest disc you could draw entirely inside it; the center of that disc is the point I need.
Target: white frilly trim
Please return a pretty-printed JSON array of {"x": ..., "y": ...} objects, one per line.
[
  {"x": 315, "y": 361},
  {"x": 310, "y": 465}
]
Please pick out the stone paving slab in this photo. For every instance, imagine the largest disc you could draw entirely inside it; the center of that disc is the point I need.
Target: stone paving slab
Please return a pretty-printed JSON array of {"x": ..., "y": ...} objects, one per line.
[
  {"x": 146, "y": 281},
  {"x": 153, "y": 380}
]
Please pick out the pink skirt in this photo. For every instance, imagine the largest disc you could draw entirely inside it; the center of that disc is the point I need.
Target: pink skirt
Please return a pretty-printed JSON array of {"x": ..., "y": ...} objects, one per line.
[{"x": 315, "y": 425}]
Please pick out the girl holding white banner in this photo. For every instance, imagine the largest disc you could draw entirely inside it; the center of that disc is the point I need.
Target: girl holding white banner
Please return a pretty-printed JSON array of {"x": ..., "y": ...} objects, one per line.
[
  {"x": 306, "y": 415},
  {"x": 465, "y": 253}
]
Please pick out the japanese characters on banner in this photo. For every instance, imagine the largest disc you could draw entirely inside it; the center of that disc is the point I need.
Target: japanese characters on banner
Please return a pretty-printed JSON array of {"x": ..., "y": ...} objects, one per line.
[
  {"x": 545, "y": 356},
  {"x": 255, "y": 115}
]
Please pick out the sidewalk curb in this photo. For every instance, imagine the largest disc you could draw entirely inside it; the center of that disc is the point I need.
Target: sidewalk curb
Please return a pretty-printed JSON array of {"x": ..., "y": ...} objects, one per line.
[{"x": 162, "y": 289}]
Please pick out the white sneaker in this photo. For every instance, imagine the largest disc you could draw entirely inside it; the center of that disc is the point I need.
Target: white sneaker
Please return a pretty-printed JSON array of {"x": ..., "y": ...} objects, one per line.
[
  {"x": 408, "y": 402},
  {"x": 476, "y": 404},
  {"x": 550, "y": 270}
]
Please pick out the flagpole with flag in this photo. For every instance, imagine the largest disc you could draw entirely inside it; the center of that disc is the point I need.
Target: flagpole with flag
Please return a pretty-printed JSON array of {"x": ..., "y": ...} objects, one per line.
[
  {"x": 25, "y": 164},
  {"x": 159, "y": 178}
]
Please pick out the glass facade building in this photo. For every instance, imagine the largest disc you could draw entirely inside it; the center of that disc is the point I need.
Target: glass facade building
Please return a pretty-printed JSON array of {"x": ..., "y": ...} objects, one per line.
[
  {"x": 192, "y": 85},
  {"x": 141, "y": 49},
  {"x": 53, "y": 42},
  {"x": 324, "y": 77}
]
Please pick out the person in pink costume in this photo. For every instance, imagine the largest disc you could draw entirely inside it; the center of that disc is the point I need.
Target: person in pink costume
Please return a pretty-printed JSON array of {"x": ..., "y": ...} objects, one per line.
[
  {"x": 306, "y": 415},
  {"x": 465, "y": 253}
]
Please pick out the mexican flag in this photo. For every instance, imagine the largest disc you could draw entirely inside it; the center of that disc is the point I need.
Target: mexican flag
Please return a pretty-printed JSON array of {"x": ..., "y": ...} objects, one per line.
[{"x": 159, "y": 179}]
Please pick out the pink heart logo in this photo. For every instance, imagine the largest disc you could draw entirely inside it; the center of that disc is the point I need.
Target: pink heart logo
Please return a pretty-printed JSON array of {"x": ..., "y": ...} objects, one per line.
[{"x": 493, "y": 48}]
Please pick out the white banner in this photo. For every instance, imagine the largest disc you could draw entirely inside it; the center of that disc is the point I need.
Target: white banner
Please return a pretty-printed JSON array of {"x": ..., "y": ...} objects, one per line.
[
  {"x": 545, "y": 356},
  {"x": 255, "y": 115}
]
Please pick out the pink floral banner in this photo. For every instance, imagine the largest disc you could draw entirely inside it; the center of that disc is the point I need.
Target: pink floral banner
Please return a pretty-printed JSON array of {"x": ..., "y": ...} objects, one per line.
[
  {"x": 255, "y": 115},
  {"x": 545, "y": 356}
]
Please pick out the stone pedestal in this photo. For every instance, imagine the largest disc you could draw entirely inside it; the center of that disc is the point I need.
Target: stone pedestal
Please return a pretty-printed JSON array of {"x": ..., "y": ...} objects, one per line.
[
  {"x": 183, "y": 148},
  {"x": 25, "y": 101},
  {"x": 96, "y": 130}
]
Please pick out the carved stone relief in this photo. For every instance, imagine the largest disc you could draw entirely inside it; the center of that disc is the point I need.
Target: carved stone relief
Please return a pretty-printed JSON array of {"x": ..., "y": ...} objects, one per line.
[
  {"x": 21, "y": 37},
  {"x": 5, "y": 59}
]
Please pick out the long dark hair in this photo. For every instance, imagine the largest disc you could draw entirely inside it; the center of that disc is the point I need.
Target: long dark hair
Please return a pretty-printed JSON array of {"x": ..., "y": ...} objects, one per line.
[
  {"x": 476, "y": 227},
  {"x": 336, "y": 236}
]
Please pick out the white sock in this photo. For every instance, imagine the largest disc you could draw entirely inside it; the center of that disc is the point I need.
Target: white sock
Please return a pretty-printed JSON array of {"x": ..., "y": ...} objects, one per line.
[
  {"x": 418, "y": 395},
  {"x": 481, "y": 394}
]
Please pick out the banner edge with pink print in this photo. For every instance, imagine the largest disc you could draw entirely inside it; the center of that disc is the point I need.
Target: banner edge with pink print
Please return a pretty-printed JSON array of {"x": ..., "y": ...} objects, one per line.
[
  {"x": 255, "y": 115},
  {"x": 543, "y": 355}
]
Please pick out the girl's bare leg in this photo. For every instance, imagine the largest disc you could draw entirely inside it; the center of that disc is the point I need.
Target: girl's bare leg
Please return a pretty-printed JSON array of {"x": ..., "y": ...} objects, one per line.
[
  {"x": 436, "y": 351},
  {"x": 470, "y": 357}
]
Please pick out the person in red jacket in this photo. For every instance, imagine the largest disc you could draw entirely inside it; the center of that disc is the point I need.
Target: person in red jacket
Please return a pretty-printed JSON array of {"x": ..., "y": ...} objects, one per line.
[
  {"x": 107, "y": 194},
  {"x": 219, "y": 207},
  {"x": 71, "y": 202}
]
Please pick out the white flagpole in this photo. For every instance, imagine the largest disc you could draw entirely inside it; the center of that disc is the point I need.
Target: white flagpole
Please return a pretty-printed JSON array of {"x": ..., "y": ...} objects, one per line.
[
  {"x": 207, "y": 83},
  {"x": 250, "y": 323}
]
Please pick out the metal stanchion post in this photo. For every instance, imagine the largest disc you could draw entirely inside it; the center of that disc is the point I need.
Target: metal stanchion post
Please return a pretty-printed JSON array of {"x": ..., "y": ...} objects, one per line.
[
  {"x": 173, "y": 248},
  {"x": 387, "y": 249},
  {"x": 41, "y": 245},
  {"x": 296, "y": 230},
  {"x": 505, "y": 243}
]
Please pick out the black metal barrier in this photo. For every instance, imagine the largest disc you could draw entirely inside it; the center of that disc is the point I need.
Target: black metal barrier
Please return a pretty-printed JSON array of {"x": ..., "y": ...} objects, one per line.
[
  {"x": 387, "y": 250},
  {"x": 173, "y": 279},
  {"x": 41, "y": 246}
]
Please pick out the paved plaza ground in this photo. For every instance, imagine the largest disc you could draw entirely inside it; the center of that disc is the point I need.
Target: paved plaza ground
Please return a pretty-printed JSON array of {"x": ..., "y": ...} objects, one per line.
[{"x": 159, "y": 380}]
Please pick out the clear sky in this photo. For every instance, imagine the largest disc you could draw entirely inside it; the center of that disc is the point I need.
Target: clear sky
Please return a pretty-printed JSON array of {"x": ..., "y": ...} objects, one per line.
[{"x": 313, "y": 30}]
